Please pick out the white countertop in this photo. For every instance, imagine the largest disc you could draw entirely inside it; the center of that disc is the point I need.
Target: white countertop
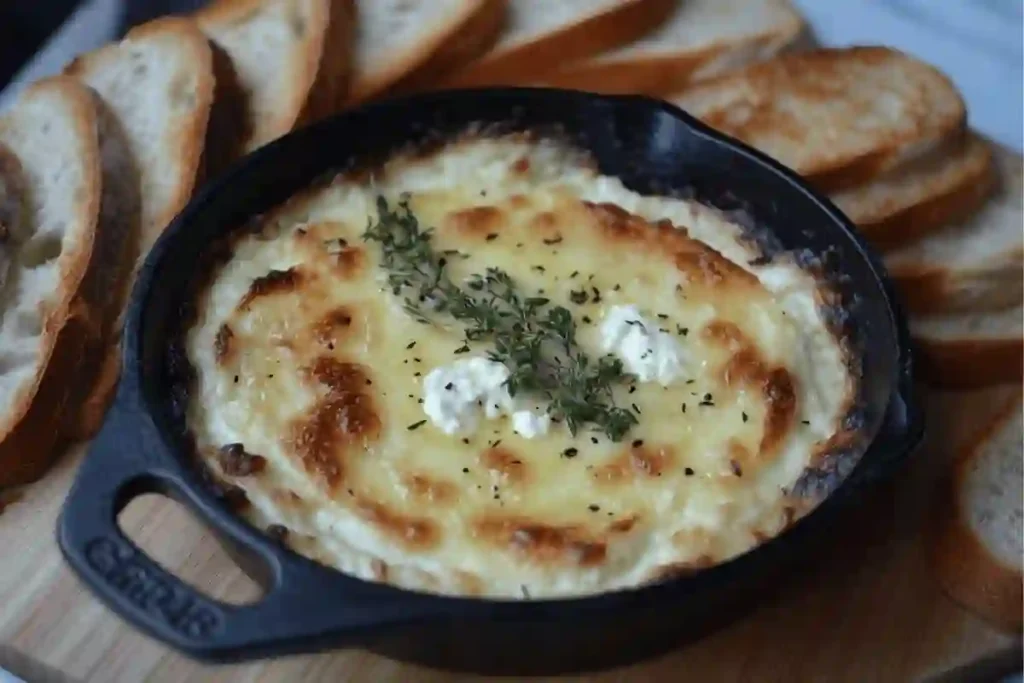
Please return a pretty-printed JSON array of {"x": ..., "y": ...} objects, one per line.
[{"x": 979, "y": 43}]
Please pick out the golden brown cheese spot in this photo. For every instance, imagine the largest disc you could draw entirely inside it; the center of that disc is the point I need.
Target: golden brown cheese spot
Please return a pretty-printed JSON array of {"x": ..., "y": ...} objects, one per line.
[
  {"x": 349, "y": 262},
  {"x": 429, "y": 489},
  {"x": 330, "y": 328},
  {"x": 521, "y": 166},
  {"x": 542, "y": 544},
  {"x": 412, "y": 532},
  {"x": 624, "y": 525},
  {"x": 506, "y": 463},
  {"x": 616, "y": 223},
  {"x": 337, "y": 423},
  {"x": 479, "y": 222},
  {"x": 235, "y": 461},
  {"x": 222, "y": 346},
  {"x": 705, "y": 265},
  {"x": 748, "y": 368},
  {"x": 640, "y": 461},
  {"x": 379, "y": 568},
  {"x": 274, "y": 282}
]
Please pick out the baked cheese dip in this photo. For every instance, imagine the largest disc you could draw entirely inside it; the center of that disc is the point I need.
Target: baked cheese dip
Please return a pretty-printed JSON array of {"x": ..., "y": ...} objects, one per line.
[{"x": 486, "y": 369}]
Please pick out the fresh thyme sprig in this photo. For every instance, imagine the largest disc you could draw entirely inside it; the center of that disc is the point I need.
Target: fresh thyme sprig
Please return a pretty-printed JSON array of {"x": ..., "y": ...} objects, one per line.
[{"x": 535, "y": 340}]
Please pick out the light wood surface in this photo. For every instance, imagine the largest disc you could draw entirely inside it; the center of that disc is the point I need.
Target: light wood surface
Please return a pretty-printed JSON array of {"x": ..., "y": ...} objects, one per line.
[{"x": 868, "y": 611}]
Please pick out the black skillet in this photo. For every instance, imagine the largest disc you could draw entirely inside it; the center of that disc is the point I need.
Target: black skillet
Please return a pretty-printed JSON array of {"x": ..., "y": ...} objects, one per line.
[{"x": 654, "y": 148}]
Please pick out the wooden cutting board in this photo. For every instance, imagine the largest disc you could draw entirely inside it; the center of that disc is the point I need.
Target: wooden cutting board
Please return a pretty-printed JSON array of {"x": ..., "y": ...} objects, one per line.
[{"x": 869, "y": 611}]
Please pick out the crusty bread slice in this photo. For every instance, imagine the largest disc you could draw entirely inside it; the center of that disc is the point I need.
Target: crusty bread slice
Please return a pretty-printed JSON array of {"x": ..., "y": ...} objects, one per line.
[
  {"x": 157, "y": 84},
  {"x": 52, "y": 130},
  {"x": 477, "y": 34},
  {"x": 539, "y": 35},
  {"x": 837, "y": 116},
  {"x": 395, "y": 38},
  {"x": 922, "y": 196},
  {"x": 973, "y": 265},
  {"x": 978, "y": 550},
  {"x": 698, "y": 39},
  {"x": 971, "y": 350},
  {"x": 289, "y": 63}
]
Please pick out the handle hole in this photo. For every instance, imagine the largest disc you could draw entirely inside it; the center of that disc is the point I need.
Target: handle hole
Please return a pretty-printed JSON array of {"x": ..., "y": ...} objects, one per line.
[{"x": 163, "y": 529}]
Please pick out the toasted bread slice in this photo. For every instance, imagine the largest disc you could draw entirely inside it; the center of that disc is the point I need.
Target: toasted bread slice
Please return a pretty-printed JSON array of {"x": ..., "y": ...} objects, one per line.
[
  {"x": 539, "y": 35},
  {"x": 477, "y": 35},
  {"x": 978, "y": 550},
  {"x": 12, "y": 209},
  {"x": 971, "y": 350},
  {"x": 840, "y": 117},
  {"x": 395, "y": 38},
  {"x": 289, "y": 63},
  {"x": 973, "y": 265},
  {"x": 698, "y": 39},
  {"x": 922, "y": 196},
  {"x": 158, "y": 86},
  {"x": 52, "y": 130}
]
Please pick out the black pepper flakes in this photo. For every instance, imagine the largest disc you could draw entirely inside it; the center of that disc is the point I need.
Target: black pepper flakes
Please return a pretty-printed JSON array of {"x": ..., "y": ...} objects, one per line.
[
  {"x": 462, "y": 349},
  {"x": 594, "y": 508},
  {"x": 578, "y": 297},
  {"x": 688, "y": 471},
  {"x": 745, "y": 416},
  {"x": 465, "y": 470},
  {"x": 635, "y": 409},
  {"x": 416, "y": 425},
  {"x": 570, "y": 453},
  {"x": 410, "y": 345},
  {"x": 637, "y": 443},
  {"x": 449, "y": 386},
  {"x": 491, "y": 237},
  {"x": 736, "y": 469}
]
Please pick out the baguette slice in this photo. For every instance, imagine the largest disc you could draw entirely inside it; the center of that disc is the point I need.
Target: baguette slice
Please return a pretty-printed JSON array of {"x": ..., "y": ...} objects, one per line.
[
  {"x": 395, "y": 38},
  {"x": 915, "y": 200},
  {"x": 974, "y": 265},
  {"x": 287, "y": 62},
  {"x": 971, "y": 350},
  {"x": 158, "y": 85},
  {"x": 12, "y": 209},
  {"x": 838, "y": 116},
  {"x": 52, "y": 130},
  {"x": 699, "y": 39},
  {"x": 540, "y": 34},
  {"x": 978, "y": 549}
]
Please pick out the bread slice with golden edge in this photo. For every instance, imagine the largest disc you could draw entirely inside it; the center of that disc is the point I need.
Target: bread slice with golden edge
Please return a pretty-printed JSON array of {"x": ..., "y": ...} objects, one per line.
[
  {"x": 539, "y": 35},
  {"x": 12, "y": 209},
  {"x": 288, "y": 62},
  {"x": 698, "y": 39},
  {"x": 478, "y": 34},
  {"x": 395, "y": 38},
  {"x": 970, "y": 350},
  {"x": 158, "y": 85},
  {"x": 973, "y": 265},
  {"x": 52, "y": 131},
  {"x": 978, "y": 546},
  {"x": 922, "y": 196},
  {"x": 840, "y": 117}
]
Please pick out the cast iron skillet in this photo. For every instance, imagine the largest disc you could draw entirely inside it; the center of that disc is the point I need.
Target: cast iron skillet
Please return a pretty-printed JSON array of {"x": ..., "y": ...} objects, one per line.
[{"x": 652, "y": 147}]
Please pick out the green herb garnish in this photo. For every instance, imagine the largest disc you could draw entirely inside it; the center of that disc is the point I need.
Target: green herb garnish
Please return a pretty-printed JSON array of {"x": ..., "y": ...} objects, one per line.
[{"x": 533, "y": 339}]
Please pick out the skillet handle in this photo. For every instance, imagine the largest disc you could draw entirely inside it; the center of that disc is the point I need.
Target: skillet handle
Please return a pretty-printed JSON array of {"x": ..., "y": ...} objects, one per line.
[{"x": 128, "y": 459}]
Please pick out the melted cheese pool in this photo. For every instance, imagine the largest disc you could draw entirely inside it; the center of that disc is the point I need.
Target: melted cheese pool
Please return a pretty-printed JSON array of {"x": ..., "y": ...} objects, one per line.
[{"x": 310, "y": 383}]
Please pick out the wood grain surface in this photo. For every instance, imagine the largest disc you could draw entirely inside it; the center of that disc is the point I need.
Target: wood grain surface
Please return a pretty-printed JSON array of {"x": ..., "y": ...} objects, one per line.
[{"x": 868, "y": 610}]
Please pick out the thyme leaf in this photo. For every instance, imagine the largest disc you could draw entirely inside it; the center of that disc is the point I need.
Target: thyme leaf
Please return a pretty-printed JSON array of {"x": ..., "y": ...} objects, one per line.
[{"x": 534, "y": 339}]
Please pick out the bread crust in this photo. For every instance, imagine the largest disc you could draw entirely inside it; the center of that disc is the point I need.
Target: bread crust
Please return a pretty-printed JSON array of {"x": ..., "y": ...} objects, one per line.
[
  {"x": 967, "y": 571},
  {"x": 364, "y": 88},
  {"x": 30, "y": 429},
  {"x": 963, "y": 364},
  {"x": 480, "y": 32},
  {"x": 523, "y": 64},
  {"x": 666, "y": 74}
]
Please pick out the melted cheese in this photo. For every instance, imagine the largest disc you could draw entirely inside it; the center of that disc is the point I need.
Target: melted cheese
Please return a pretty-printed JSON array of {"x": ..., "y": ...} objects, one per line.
[{"x": 306, "y": 359}]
